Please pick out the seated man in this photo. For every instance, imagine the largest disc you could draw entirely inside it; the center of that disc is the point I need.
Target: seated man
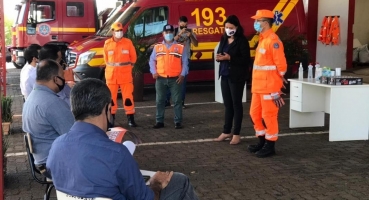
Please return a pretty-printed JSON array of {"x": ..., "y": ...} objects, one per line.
[
  {"x": 45, "y": 115},
  {"x": 28, "y": 72},
  {"x": 85, "y": 163},
  {"x": 52, "y": 51}
]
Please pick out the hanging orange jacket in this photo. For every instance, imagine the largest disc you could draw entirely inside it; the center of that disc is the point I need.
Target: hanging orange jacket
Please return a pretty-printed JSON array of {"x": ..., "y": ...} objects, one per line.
[
  {"x": 269, "y": 65},
  {"x": 119, "y": 59},
  {"x": 169, "y": 61},
  {"x": 335, "y": 30},
  {"x": 328, "y": 39}
]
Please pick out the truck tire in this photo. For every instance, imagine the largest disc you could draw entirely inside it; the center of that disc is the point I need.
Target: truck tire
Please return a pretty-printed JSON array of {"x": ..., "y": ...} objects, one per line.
[{"x": 17, "y": 66}]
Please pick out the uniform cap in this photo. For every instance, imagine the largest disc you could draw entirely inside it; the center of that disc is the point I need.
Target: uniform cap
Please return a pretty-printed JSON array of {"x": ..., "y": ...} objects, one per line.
[
  {"x": 168, "y": 27},
  {"x": 116, "y": 26},
  {"x": 263, "y": 13}
]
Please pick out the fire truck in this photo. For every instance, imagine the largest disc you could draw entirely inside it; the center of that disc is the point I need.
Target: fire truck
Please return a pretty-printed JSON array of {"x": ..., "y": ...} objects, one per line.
[
  {"x": 59, "y": 22},
  {"x": 206, "y": 19}
]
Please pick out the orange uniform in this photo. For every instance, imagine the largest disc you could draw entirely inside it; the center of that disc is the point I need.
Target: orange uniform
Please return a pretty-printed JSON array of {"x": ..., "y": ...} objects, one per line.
[
  {"x": 335, "y": 30},
  {"x": 169, "y": 61},
  {"x": 119, "y": 58},
  {"x": 269, "y": 65}
]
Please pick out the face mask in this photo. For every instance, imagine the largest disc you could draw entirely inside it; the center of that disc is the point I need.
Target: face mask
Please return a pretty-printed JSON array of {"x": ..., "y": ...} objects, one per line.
[
  {"x": 230, "y": 32},
  {"x": 118, "y": 34},
  {"x": 182, "y": 27},
  {"x": 168, "y": 37},
  {"x": 62, "y": 85},
  {"x": 109, "y": 123},
  {"x": 257, "y": 27}
]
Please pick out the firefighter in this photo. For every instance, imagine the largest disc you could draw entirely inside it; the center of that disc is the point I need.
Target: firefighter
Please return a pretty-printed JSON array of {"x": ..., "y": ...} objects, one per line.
[
  {"x": 267, "y": 81},
  {"x": 120, "y": 56}
]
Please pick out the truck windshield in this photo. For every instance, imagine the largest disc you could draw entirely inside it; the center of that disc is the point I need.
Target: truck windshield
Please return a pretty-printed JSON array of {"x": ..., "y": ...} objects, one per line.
[{"x": 122, "y": 17}]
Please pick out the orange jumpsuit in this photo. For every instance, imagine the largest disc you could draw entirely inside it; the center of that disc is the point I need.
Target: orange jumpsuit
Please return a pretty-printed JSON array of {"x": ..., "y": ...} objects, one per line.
[
  {"x": 119, "y": 59},
  {"x": 269, "y": 65}
]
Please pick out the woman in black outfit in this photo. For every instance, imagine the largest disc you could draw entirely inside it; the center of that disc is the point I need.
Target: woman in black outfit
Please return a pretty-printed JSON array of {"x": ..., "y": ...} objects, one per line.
[{"x": 234, "y": 57}]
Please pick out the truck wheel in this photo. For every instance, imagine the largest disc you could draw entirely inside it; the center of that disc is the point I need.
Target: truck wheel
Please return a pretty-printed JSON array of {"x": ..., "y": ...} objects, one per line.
[{"x": 17, "y": 66}]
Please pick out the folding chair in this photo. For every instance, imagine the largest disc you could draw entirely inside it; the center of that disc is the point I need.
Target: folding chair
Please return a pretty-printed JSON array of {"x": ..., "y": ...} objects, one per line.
[
  {"x": 63, "y": 196},
  {"x": 34, "y": 170}
]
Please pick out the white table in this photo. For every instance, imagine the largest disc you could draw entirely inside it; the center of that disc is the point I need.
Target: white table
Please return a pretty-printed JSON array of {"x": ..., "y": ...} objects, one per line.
[{"x": 348, "y": 106}]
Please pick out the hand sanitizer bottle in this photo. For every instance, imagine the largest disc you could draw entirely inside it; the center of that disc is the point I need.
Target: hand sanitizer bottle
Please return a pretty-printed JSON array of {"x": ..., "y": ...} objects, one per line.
[
  {"x": 310, "y": 72},
  {"x": 301, "y": 72}
]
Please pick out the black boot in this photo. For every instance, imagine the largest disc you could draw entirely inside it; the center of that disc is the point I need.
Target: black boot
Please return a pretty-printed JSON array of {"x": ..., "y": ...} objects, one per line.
[
  {"x": 256, "y": 147},
  {"x": 131, "y": 120},
  {"x": 267, "y": 150}
]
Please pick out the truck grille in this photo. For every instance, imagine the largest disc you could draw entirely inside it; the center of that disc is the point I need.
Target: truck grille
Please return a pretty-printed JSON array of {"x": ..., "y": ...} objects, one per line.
[{"x": 71, "y": 58}]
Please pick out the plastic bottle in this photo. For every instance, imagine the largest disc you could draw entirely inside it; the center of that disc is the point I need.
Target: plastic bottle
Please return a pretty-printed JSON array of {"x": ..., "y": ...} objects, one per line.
[
  {"x": 310, "y": 71},
  {"x": 317, "y": 65},
  {"x": 301, "y": 72},
  {"x": 318, "y": 73}
]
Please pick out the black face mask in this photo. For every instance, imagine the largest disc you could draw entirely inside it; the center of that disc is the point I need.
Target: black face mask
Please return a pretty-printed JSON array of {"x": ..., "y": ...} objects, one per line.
[
  {"x": 62, "y": 85},
  {"x": 109, "y": 123},
  {"x": 182, "y": 27}
]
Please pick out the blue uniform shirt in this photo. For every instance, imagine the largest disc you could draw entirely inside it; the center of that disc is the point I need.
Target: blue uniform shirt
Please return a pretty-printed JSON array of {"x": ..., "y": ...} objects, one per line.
[
  {"x": 86, "y": 163},
  {"x": 45, "y": 117}
]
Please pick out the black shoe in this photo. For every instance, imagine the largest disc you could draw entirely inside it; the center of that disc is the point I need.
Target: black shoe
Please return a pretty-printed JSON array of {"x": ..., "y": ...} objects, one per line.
[
  {"x": 256, "y": 147},
  {"x": 178, "y": 126},
  {"x": 267, "y": 150},
  {"x": 158, "y": 125},
  {"x": 167, "y": 103},
  {"x": 131, "y": 121}
]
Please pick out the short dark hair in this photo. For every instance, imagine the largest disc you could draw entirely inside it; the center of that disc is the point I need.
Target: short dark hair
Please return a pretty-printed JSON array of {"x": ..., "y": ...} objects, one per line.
[
  {"x": 47, "y": 69},
  {"x": 183, "y": 19},
  {"x": 233, "y": 19},
  {"x": 269, "y": 21},
  {"x": 49, "y": 51},
  {"x": 31, "y": 52},
  {"x": 88, "y": 98}
]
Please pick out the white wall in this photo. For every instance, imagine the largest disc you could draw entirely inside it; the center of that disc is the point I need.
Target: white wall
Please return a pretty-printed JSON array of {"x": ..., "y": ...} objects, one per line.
[
  {"x": 329, "y": 55},
  {"x": 361, "y": 28}
]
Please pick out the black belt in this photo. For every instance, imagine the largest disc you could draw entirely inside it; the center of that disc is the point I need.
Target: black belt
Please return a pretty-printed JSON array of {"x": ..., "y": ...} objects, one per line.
[{"x": 175, "y": 77}]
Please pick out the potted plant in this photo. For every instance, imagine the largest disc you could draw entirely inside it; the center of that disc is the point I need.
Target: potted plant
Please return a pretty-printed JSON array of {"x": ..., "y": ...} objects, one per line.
[
  {"x": 142, "y": 46},
  {"x": 6, "y": 113}
]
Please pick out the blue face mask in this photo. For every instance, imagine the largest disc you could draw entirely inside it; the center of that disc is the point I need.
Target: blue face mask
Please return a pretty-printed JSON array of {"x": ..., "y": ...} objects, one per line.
[
  {"x": 168, "y": 36},
  {"x": 257, "y": 27}
]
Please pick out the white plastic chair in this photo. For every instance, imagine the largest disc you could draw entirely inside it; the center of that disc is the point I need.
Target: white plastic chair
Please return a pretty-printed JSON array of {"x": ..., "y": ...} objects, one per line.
[{"x": 63, "y": 196}]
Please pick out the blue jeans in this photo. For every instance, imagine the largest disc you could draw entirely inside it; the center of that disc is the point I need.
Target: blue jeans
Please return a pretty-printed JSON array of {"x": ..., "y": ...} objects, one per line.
[
  {"x": 162, "y": 85},
  {"x": 179, "y": 188},
  {"x": 183, "y": 90}
]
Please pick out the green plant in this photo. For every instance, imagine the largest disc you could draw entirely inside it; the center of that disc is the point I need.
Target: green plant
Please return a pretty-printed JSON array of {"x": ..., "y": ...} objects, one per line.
[
  {"x": 141, "y": 47},
  {"x": 6, "y": 109}
]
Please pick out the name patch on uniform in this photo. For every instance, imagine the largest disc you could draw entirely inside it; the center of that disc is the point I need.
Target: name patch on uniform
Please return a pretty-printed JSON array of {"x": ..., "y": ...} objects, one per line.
[
  {"x": 276, "y": 45},
  {"x": 262, "y": 51},
  {"x": 124, "y": 51},
  {"x": 110, "y": 52}
]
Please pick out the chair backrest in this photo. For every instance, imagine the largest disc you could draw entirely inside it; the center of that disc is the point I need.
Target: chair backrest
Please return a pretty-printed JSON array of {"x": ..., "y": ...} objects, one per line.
[
  {"x": 63, "y": 196},
  {"x": 31, "y": 160}
]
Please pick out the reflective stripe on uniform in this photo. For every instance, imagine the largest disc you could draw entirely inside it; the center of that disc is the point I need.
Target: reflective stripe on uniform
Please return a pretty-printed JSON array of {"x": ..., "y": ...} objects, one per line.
[
  {"x": 267, "y": 97},
  {"x": 260, "y": 133},
  {"x": 160, "y": 53},
  {"x": 265, "y": 68},
  {"x": 176, "y": 54},
  {"x": 118, "y": 64},
  {"x": 271, "y": 137}
]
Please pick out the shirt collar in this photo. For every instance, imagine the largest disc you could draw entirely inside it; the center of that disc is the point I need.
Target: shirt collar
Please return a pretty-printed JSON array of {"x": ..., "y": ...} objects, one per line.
[
  {"x": 266, "y": 33},
  {"x": 88, "y": 128}
]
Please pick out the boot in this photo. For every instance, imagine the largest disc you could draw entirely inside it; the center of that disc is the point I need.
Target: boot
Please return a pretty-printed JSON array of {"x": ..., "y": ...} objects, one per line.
[
  {"x": 256, "y": 147},
  {"x": 131, "y": 120},
  {"x": 267, "y": 150}
]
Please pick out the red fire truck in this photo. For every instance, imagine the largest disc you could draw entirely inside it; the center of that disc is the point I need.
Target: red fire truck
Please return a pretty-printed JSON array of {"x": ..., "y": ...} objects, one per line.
[
  {"x": 52, "y": 21},
  {"x": 206, "y": 19}
]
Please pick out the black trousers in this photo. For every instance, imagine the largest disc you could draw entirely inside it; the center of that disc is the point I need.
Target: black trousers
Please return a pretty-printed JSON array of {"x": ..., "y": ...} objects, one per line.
[{"x": 232, "y": 98}]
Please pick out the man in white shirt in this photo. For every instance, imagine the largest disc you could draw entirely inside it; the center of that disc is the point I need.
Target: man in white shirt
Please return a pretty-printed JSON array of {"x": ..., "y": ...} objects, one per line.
[{"x": 28, "y": 73}]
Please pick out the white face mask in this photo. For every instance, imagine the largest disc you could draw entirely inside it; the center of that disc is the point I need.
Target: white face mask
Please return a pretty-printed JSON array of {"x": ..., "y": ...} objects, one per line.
[
  {"x": 118, "y": 34},
  {"x": 230, "y": 32}
]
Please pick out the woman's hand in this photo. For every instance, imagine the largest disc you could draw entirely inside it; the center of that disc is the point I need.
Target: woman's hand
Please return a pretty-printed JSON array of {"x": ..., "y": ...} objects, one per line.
[{"x": 224, "y": 56}]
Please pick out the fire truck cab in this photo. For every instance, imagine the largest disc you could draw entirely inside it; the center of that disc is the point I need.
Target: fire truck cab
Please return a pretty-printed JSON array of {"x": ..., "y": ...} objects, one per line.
[{"x": 51, "y": 21}]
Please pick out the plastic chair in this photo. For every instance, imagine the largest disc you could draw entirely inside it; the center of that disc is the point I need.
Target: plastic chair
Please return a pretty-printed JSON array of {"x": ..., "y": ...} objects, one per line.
[
  {"x": 34, "y": 170},
  {"x": 63, "y": 196}
]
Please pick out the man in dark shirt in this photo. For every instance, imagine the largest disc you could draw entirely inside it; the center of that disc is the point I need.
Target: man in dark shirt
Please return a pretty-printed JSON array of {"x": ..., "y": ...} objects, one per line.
[{"x": 85, "y": 163}]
